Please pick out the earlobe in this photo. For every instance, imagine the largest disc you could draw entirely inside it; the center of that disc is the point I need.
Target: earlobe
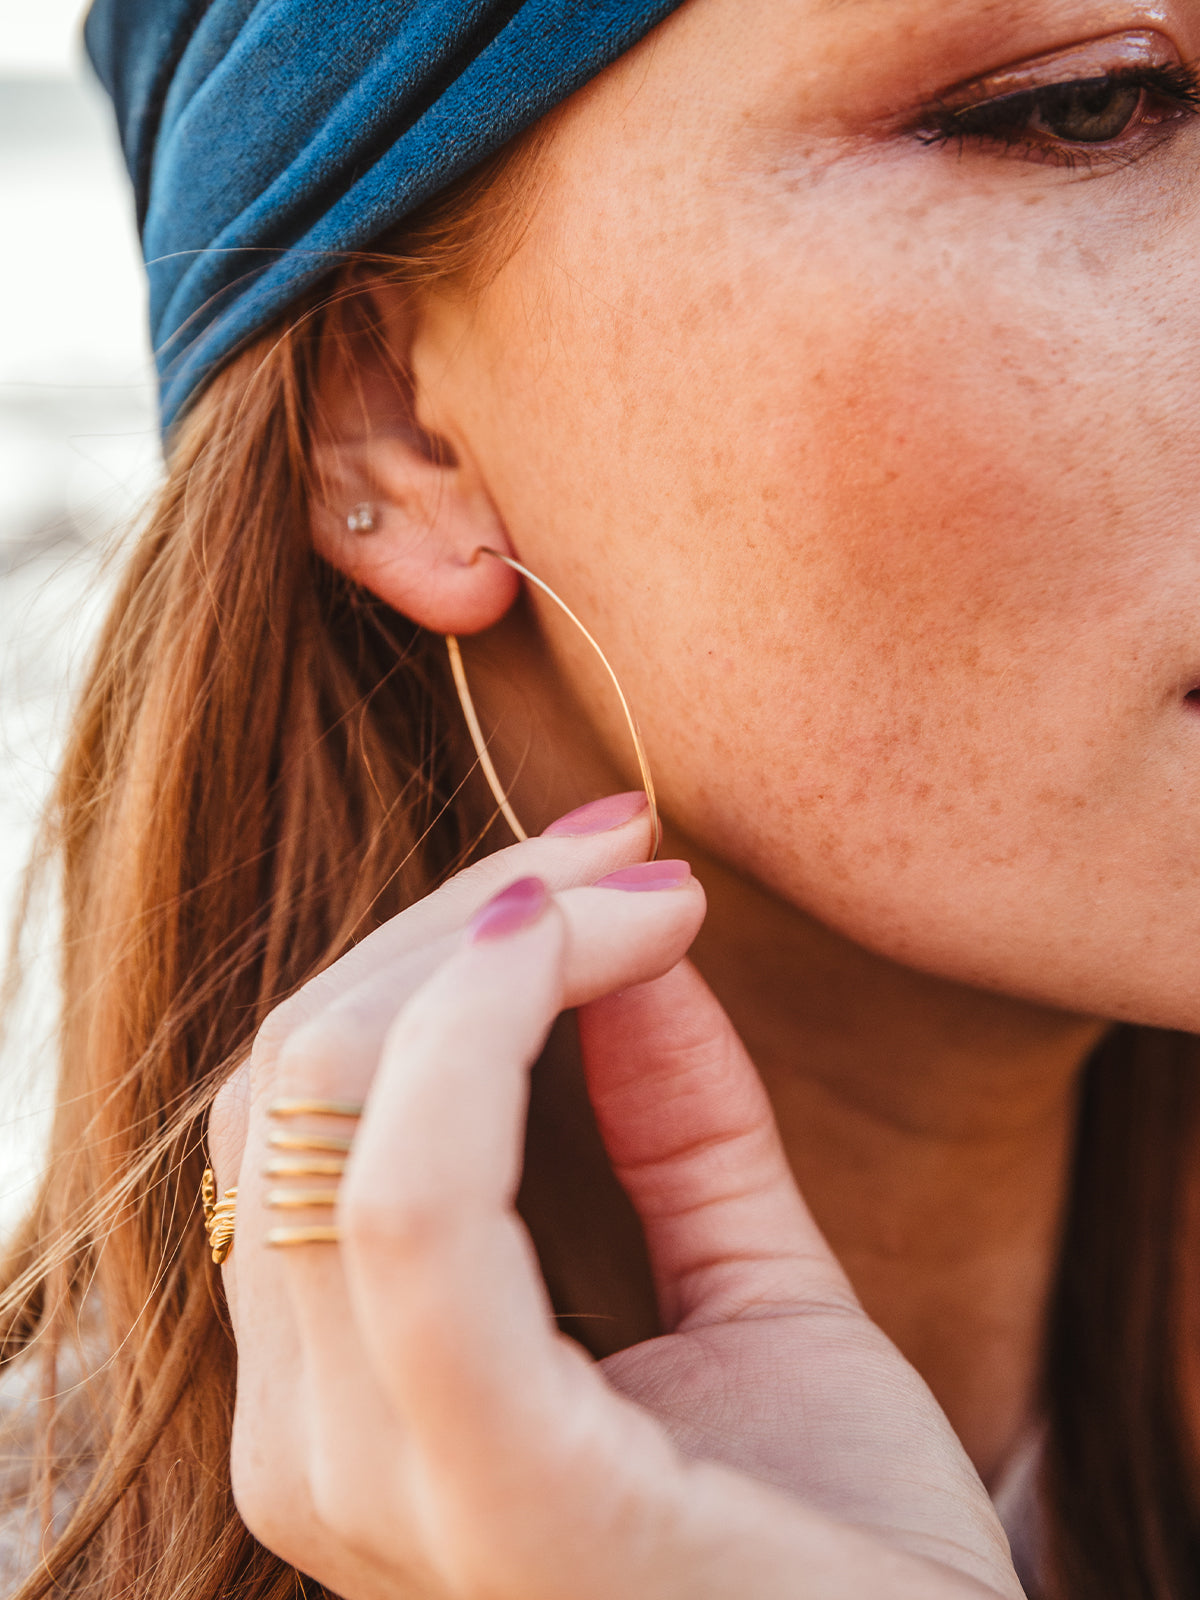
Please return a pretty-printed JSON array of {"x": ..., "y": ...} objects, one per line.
[
  {"x": 429, "y": 515},
  {"x": 415, "y": 543}
]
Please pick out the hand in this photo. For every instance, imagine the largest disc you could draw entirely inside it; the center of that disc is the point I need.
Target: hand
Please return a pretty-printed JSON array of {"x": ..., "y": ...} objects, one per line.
[
  {"x": 409, "y": 1421},
  {"x": 771, "y": 1365}
]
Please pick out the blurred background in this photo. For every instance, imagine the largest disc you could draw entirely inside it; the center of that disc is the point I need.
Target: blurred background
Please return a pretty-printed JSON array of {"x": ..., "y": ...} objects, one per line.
[{"x": 78, "y": 455}]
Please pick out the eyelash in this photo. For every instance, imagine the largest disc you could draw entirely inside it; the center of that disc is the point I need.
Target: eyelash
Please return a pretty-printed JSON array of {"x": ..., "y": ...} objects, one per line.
[{"x": 995, "y": 122}]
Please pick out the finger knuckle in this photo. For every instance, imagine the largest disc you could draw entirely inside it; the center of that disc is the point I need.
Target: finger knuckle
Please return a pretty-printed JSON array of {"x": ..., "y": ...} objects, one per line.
[
  {"x": 353, "y": 1518},
  {"x": 338, "y": 1504},
  {"x": 229, "y": 1108},
  {"x": 312, "y": 1060},
  {"x": 275, "y": 1029},
  {"x": 356, "y": 1523},
  {"x": 270, "y": 1496},
  {"x": 406, "y": 1228}
]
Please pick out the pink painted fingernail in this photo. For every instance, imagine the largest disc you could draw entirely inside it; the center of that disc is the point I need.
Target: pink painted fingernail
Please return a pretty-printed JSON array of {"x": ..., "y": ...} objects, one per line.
[
  {"x": 598, "y": 816},
  {"x": 648, "y": 875},
  {"x": 508, "y": 912}
]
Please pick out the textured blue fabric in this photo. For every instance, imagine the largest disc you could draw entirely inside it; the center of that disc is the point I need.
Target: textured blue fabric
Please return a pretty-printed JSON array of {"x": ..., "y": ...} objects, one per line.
[{"x": 266, "y": 137}]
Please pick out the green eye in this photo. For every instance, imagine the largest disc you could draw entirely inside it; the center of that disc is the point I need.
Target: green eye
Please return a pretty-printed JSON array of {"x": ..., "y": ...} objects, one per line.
[
  {"x": 1090, "y": 111},
  {"x": 1093, "y": 112}
]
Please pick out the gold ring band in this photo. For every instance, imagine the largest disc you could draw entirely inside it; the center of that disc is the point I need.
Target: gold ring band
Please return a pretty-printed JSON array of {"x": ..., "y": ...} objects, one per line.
[
  {"x": 298, "y": 1199},
  {"x": 333, "y": 1143},
  {"x": 299, "y": 1167},
  {"x": 279, "y": 1238},
  {"x": 314, "y": 1108},
  {"x": 316, "y": 1155}
]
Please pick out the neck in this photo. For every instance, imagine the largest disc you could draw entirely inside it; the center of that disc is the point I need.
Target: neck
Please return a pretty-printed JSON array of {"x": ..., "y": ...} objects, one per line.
[
  {"x": 930, "y": 1125},
  {"x": 930, "y": 1128}
]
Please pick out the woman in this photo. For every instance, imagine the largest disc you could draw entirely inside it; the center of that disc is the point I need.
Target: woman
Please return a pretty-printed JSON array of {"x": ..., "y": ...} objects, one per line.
[{"x": 836, "y": 364}]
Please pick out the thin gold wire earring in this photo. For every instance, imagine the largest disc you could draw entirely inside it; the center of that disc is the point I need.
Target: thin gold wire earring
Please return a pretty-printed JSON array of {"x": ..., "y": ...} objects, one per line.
[{"x": 477, "y": 739}]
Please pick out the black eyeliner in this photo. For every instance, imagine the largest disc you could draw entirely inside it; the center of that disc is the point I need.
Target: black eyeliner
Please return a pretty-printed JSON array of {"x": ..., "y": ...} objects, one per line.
[{"x": 1176, "y": 82}]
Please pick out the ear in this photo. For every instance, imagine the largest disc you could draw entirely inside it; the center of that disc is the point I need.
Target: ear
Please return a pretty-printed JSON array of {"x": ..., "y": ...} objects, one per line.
[{"x": 430, "y": 511}]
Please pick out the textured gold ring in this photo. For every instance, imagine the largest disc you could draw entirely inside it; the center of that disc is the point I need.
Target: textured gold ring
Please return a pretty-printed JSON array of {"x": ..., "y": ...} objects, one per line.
[{"x": 219, "y": 1217}]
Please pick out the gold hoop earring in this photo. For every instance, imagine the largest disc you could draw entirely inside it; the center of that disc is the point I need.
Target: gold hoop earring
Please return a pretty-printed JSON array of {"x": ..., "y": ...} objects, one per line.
[{"x": 458, "y": 672}]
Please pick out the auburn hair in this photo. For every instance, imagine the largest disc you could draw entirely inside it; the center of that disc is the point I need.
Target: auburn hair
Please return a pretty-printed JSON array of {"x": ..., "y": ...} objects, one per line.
[{"x": 265, "y": 764}]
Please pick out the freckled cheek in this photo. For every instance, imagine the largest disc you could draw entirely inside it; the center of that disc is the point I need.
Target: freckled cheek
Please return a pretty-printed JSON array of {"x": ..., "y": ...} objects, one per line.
[
  {"x": 937, "y": 519},
  {"x": 864, "y": 538},
  {"x": 949, "y": 500}
]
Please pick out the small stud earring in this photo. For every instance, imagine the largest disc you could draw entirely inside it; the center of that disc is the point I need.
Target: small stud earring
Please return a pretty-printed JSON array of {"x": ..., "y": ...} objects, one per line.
[{"x": 361, "y": 518}]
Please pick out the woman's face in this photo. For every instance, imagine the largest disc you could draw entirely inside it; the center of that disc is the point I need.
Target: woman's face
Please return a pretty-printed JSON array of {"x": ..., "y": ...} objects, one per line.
[{"x": 863, "y": 427}]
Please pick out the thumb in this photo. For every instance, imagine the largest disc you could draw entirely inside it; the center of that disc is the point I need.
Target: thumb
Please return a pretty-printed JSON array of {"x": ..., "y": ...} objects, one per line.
[{"x": 690, "y": 1132}]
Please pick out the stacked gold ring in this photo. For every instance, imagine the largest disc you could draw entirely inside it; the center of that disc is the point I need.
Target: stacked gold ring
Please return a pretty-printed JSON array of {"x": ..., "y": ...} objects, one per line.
[{"x": 308, "y": 1156}]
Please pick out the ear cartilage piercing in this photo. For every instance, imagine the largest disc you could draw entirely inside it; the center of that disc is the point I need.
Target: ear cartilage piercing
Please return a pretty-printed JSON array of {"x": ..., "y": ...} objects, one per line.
[
  {"x": 361, "y": 518},
  {"x": 458, "y": 672}
]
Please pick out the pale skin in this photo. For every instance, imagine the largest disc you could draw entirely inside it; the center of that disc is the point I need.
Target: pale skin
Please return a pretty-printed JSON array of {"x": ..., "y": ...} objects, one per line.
[
  {"x": 871, "y": 460},
  {"x": 410, "y": 1421}
]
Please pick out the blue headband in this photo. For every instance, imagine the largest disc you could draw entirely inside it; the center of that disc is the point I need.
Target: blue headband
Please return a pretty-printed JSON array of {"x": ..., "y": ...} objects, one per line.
[{"x": 266, "y": 137}]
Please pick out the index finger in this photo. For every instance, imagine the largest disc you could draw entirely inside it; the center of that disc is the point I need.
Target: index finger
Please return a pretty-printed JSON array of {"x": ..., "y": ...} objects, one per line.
[{"x": 574, "y": 851}]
